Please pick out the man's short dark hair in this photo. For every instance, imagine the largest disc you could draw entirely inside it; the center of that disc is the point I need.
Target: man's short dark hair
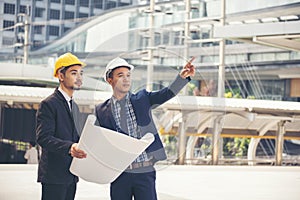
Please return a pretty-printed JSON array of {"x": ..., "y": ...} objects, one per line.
[
  {"x": 109, "y": 73},
  {"x": 32, "y": 143},
  {"x": 64, "y": 69}
]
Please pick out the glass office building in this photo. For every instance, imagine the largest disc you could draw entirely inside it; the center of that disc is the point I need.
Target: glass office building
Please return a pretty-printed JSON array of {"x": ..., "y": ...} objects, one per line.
[
  {"x": 165, "y": 36},
  {"x": 48, "y": 19}
]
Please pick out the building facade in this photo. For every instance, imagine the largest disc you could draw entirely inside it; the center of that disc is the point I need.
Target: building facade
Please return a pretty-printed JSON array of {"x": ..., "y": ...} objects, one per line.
[
  {"x": 47, "y": 20},
  {"x": 162, "y": 36}
]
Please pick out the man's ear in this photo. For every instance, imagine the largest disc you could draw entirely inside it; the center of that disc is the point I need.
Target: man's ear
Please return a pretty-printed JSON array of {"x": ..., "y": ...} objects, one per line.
[
  {"x": 109, "y": 80},
  {"x": 60, "y": 76}
]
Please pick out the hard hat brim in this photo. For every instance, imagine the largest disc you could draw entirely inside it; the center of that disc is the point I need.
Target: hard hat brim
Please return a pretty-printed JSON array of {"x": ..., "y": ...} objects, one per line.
[
  {"x": 116, "y": 63},
  {"x": 80, "y": 63},
  {"x": 66, "y": 60}
]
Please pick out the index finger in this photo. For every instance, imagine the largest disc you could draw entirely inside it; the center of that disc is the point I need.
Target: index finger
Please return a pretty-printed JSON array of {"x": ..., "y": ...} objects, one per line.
[{"x": 192, "y": 59}]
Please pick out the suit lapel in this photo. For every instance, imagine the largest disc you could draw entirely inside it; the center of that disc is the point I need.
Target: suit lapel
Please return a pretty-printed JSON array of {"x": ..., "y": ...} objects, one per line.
[
  {"x": 107, "y": 118},
  {"x": 72, "y": 115},
  {"x": 65, "y": 103},
  {"x": 110, "y": 116}
]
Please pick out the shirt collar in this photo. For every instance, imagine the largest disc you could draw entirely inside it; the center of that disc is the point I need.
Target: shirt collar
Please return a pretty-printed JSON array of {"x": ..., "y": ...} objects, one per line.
[
  {"x": 66, "y": 96},
  {"x": 114, "y": 99}
]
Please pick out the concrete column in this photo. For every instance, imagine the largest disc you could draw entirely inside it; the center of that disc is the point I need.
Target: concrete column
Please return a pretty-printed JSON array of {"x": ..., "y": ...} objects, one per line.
[
  {"x": 216, "y": 137},
  {"x": 279, "y": 142},
  {"x": 182, "y": 140}
]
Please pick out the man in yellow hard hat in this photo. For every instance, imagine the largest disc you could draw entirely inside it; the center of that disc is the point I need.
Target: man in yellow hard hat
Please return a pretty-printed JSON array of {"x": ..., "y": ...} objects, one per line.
[{"x": 57, "y": 131}]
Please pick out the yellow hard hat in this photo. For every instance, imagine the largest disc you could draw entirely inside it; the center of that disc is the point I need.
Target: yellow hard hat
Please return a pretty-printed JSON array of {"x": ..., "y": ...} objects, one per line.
[{"x": 66, "y": 60}]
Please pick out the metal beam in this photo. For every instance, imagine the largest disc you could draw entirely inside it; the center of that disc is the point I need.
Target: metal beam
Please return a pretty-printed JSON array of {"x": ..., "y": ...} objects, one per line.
[
  {"x": 284, "y": 35},
  {"x": 262, "y": 29}
]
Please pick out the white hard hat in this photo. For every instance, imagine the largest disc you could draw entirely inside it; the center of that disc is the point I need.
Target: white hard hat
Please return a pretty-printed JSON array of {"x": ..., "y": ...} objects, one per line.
[{"x": 117, "y": 62}]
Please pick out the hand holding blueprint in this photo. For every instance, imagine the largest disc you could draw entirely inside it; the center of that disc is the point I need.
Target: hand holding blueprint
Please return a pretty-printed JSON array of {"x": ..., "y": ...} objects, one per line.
[{"x": 109, "y": 153}]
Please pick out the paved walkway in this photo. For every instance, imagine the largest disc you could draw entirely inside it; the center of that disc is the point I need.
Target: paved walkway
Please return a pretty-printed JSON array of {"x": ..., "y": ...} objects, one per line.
[{"x": 17, "y": 182}]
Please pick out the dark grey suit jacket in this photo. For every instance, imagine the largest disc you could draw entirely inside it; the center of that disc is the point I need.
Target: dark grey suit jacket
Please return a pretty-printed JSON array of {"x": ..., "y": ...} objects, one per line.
[{"x": 56, "y": 132}]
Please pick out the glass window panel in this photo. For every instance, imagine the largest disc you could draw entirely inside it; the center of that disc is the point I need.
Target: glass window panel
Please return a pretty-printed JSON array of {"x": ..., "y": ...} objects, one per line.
[
  {"x": 7, "y": 41},
  {"x": 70, "y": 2},
  {"x": 55, "y": 1},
  {"x": 84, "y": 3},
  {"x": 38, "y": 29},
  {"x": 23, "y": 9},
  {"x": 7, "y": 24},
  {"x": 282, "y": 56},
  {"x": 268, "y": 56},
  {"x": 98, "y": 4},
  {"x": 53, "y": 30},
  {"x": 83, "y": 15},
  {"x": 39, "y": 12},
  {"x": 54, "y": 14},
  {"x": 9, "y": 8},
  {"x": 69, "y": 15},
  {"x": 295, "y": 55}
]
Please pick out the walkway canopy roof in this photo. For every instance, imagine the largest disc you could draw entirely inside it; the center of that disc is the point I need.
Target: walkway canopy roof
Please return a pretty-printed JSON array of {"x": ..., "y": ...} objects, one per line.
[
  {"x": 242, "y": 117},
  {"x": 42, "y": 76}
]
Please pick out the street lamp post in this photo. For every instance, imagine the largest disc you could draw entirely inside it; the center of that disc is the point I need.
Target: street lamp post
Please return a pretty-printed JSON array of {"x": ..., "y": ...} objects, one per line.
[
  {"x": 26, "y": 40},
  {"x": 222, "y": 54},
  {"x": 25, "y": 23},
  {"x": 182, "y": 135},
  {"x": 151, "y": 45},
  {"x": 187, "y": 28},
  {"x": 216, "y": 140}
]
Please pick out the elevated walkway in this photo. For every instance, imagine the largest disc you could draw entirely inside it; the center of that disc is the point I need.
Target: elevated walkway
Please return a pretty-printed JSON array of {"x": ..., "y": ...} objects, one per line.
[{"x": 256, "y": 119}]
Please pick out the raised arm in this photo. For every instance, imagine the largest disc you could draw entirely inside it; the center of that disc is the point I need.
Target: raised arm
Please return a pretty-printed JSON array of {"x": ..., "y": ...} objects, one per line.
[{"x": 188, "y": 69}]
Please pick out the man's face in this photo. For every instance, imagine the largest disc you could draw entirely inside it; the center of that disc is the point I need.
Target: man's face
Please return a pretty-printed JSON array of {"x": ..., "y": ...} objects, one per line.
[
  {"x": 120, "y": 80},
  {"x": 72, "y": 79}
]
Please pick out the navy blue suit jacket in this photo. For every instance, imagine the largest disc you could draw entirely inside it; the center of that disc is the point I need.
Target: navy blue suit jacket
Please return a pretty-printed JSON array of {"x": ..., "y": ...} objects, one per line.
[
  {"x": 142, "y": 103},
  {"x": 56, "y": 132}
]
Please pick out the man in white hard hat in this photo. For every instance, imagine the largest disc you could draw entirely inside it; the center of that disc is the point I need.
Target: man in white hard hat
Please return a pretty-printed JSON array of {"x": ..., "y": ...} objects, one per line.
[
  {"x": 130, "y": 114},
  {"x": 57, "y": 131}
]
